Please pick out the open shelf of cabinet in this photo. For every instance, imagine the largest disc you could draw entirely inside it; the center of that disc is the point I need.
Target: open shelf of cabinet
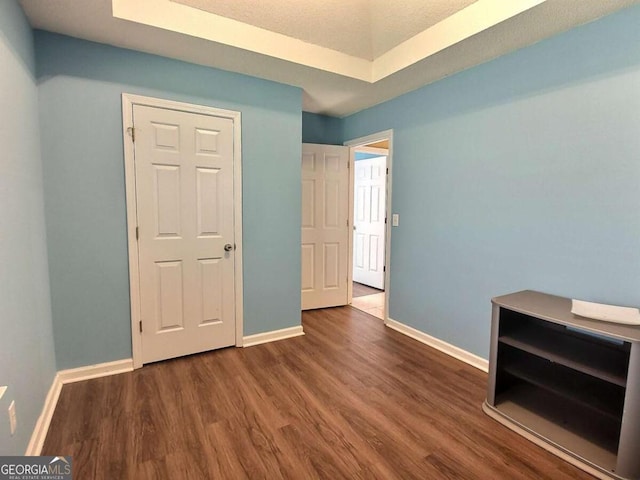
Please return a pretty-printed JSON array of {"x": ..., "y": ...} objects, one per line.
[{"x": 568, "y": 383}]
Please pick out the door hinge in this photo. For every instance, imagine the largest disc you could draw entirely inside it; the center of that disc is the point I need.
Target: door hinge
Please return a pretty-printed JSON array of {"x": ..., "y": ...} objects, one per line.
[
  {"x": 140, "y": 326},
  {"x": 132, "y": 132},
  {"x": 385, "y": 220},
  {"x": 137, "y": 233},
  {"x": 387, "y": 170},
  {"x": 347, "y": 222},
  {"x": 384, "y": 269}
]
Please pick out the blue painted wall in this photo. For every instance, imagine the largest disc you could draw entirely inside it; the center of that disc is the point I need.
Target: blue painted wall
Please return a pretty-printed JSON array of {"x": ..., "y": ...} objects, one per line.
[
  {"x": 321, "y": 129},
  {"x": 80, "y": 86},
  {"x": 364, "y": 156},
  {"x": 522, "y": 173},
  {"x": 27, "y": 364}
]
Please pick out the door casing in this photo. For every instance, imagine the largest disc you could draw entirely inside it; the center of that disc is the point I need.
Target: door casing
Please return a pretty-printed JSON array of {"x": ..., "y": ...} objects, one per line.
[
  {"x": 353, "y": 144},
  {"x": 128, "y": 101}
]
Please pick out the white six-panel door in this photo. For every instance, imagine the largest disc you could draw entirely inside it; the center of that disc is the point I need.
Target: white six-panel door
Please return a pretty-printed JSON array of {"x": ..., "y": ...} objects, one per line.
[
  {"x": 325, "y": 233},
  {"x": 184, "y": 196},
  {"x": 369, "y": 221}
]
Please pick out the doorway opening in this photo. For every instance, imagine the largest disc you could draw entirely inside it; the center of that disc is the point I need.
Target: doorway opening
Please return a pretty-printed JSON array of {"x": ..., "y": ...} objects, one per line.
[
  {"x": 369, "y": 211},
  {"x": 346, "y": 212}
]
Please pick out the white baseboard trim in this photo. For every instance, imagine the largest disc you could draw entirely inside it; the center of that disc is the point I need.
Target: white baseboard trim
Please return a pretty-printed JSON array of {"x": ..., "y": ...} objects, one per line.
[
  {"x": 63, "y": 377},
  {"x": 451, "y": 350},
  {"x": 275, "y": 335},
  {"x": 95, "y": 371},
  {"x": 44, "y": 420}
]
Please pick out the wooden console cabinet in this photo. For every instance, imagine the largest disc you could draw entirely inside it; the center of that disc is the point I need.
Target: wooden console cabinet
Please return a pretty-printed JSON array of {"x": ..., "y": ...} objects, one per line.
[{"x": 568, "y": 383}]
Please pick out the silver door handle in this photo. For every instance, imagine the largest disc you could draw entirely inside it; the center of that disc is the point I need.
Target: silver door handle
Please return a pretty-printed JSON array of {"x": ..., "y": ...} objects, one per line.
[{"x": 228, "y": 247}]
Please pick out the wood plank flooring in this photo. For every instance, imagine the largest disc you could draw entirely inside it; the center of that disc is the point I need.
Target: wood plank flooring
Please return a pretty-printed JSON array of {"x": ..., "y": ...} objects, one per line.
[
  {"x": 351, "y": 399},
  {"x": 360, "y": 290}
]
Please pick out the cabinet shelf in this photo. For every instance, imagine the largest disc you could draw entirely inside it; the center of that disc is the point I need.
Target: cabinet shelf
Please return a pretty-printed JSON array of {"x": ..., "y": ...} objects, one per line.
[
  {"x": 605, "y": 363},
  {"x": 554, "y": 419},
  {"x": 591, "y": 393},
  {"x": 568, "y": 383}
]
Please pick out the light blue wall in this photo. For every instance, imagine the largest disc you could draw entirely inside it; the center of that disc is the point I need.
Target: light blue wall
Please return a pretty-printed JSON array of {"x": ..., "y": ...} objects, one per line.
[
  {"x": 80, "y": 84},
  {"x": 364, "y": 156},
  {"x": 27, "y": 364},
  {"x": 321, "y": 129},
  {"x": 523, "y": 173}
]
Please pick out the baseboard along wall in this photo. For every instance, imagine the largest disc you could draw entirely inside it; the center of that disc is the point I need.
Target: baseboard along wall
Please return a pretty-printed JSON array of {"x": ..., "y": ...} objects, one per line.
[
  {"x": 273, "y": 336},
  {"x": 63, "y": 377},
  {"x": 451, "y": 350}
]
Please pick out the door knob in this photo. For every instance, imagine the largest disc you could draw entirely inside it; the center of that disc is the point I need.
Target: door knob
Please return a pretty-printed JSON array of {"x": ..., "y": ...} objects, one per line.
[{"x": 228, "y": 247}]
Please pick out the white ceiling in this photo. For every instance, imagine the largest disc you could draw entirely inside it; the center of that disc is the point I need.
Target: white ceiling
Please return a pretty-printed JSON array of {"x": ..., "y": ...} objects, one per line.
[
  {"x": 362, "y": 28},
  {"x": 346, "y": 55}
]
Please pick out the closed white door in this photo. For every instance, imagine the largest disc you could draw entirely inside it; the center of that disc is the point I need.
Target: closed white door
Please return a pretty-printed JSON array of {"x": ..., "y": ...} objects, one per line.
[
  {"x": 325, "y": 231},
  {"x": 370, "y": 188},
  {"x": 184, "y": 197}
]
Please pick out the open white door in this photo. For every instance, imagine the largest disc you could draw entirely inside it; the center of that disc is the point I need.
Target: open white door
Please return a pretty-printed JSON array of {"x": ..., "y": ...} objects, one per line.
[
  {"x": 184, "y": 177},
  {"x": 325, "y": 229},
  {"x": 369, "y": 221}
]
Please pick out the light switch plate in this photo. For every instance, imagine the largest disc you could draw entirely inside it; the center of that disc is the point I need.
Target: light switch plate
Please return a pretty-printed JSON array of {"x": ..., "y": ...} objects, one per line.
[{"x": 395, "y": 220}]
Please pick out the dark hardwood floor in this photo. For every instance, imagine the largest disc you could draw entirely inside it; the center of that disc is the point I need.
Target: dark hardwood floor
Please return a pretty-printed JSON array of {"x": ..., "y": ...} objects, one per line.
[
  {"x": 360, "y": 290},
  {"x": 351, "y": 399}
]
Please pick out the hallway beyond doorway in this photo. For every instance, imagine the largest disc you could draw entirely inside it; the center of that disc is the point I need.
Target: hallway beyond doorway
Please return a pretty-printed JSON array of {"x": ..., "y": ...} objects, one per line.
[
  {"x": 368, "y": 299},
  {"x": 361, "y": 290}
]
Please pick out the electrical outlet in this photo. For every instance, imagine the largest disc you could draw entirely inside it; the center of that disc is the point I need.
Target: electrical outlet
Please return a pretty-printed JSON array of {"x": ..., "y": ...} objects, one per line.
[{"x": 13, "y": 421}]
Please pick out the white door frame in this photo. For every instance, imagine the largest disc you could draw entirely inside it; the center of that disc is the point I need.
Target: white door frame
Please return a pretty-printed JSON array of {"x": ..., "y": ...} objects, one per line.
[
  {"x": 353, "y": 144},
  {"x": 128, "y": 101}
]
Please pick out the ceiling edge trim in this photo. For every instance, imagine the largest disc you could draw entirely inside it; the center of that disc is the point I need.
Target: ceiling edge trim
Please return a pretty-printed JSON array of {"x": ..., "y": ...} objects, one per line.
[
  {"x": 469, "y": 21},
  {"x": 180, "y": 18},
  {"x": 190, "y": 21}
]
